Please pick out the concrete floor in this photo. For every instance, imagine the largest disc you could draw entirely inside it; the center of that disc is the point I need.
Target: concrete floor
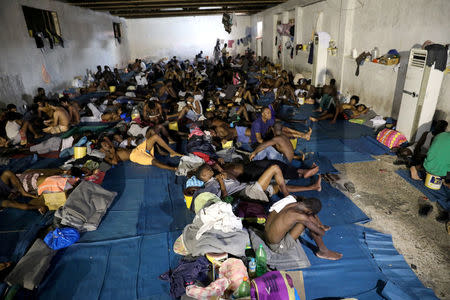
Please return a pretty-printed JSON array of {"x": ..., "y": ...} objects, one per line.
[{"x": 393, "y": 206}]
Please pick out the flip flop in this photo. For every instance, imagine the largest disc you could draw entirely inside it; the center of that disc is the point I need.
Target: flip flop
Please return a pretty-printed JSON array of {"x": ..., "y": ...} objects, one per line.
[
  {"x": 350, "y": 187},
  {"x": 425, "y": 210}
]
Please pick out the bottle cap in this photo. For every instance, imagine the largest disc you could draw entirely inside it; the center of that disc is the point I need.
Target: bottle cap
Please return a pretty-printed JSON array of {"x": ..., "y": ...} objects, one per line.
[
  {"x": 260, "y": 245},
  {"x": 245, "y": 278}
]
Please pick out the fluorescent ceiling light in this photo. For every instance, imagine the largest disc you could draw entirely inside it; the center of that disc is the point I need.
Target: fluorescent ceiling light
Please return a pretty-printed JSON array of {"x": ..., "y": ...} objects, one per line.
[
  {"x": 171, "y": 9},
  {"x": 209, "y": 7}
]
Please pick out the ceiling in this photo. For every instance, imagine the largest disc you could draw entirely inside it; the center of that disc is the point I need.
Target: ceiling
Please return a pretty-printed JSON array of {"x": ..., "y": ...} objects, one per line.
[{"x": 173, "y": 8}]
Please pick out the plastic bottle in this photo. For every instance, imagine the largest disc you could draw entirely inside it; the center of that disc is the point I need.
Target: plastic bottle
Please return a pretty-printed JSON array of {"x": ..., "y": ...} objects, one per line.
[
  {"x": 211, "y": 106},
  {"x": 135, "y": 113},
  {"x": 252, "y": 268},
  {"x": 261, "y": 261},
  {"x": 244, "y": 288}
]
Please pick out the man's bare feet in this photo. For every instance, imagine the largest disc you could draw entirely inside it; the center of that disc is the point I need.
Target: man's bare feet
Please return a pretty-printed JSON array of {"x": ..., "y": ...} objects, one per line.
[
  {"x": 318, "y": 185},
  {"x": 308, "y": 134},
  {"x": 328, "y": 254},
  {"x": 175, "y": 154},
  {"x": 5, "y": 265},
  {"x": 38, "y": 136},
  {"x": 311, "y": 172},
  {"x": 414, "y": 173},
  {"x": 42, "y": 210},
  {"x": 313, "y": 119},
  {"x": 325, "y": 227}
]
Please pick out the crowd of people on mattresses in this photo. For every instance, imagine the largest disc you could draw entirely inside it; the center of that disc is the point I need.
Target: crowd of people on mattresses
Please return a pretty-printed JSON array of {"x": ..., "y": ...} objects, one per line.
[{"x": 215, "y": 122}]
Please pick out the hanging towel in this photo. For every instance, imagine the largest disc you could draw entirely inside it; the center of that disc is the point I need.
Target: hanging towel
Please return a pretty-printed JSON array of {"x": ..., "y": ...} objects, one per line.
[{"x": 311, "y": 54}]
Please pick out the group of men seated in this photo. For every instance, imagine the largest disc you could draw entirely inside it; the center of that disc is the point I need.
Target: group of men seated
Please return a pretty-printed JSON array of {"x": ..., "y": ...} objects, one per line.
[{"x": 168, "y": 112}]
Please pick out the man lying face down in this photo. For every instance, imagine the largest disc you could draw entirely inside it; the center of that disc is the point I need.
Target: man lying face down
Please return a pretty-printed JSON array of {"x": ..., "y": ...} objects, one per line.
[{"x": 288, "y": 219}]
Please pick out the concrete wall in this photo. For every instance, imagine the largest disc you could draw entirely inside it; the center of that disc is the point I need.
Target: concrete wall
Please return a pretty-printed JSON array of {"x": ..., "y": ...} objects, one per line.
[
  {"x": 88, "y": 41},
  {"x": 183, "y": 37},
  {"x": 364, "y": 24}
]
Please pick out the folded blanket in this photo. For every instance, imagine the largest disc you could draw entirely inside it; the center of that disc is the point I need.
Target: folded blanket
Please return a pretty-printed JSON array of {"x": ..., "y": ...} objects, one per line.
[
  {"x": 85, "y": 207},
  {"x": 215, "y": 241},
  {"x": 32, "y": 267}
]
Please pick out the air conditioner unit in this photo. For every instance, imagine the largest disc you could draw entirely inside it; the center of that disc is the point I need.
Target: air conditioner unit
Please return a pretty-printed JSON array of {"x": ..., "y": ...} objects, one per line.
[
  {"x": 319, "y": 69},
  {"x": 420, "y": 96}
]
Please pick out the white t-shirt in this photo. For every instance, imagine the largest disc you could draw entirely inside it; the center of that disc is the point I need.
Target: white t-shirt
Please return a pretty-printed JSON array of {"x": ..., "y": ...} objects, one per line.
[
  {"x": 143, "y": 66},
  {"x": 13, "y": 131},
  {"x": 141, "y": 80}
]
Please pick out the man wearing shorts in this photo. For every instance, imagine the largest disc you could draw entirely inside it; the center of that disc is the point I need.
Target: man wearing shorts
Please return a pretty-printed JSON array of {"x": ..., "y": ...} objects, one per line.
[{"x": 288, "y": 219}]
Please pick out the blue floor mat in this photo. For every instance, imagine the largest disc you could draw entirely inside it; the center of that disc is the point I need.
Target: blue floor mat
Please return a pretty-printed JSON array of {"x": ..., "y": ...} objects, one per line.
[
  {"x": 337, "y": 209},
  {"x": 133, "y": 246},
  {"x": 442, "y": 196},
  {"x": 367, "y": 144},
  {"x": 363, "y": 272}
]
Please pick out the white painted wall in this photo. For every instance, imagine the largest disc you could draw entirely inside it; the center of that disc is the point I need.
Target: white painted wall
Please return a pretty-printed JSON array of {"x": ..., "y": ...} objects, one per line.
[
  {"x": 183, "y": 37},
  {"x": 88, "y": 41},
  {"x": 364, "y": 24}
]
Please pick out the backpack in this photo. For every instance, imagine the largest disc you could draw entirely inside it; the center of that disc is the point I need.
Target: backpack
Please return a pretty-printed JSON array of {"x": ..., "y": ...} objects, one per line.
[
  {"x": 391, "y": 138},
  {"x": 273, "y": 285},
  {"x": 61, "y": 238}
]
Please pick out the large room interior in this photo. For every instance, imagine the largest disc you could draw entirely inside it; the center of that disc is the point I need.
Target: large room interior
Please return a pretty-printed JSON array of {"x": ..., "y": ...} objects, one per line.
[{"x": 272, "y": 149}]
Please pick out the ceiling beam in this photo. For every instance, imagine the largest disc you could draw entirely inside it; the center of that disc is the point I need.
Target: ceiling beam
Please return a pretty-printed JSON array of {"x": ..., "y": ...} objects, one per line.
[
  {"x": 184, "y": 5},
  {"x": 164, "y": 2},
  {"x": 156, "y": 14}
]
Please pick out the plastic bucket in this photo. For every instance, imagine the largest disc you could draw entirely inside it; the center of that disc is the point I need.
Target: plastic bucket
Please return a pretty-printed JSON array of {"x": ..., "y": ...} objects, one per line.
[
  {"x": 112, "y": 89},
  {"x": 294, "y": 143},
  {"x": 227, "y": 145},
  {"x": 433, "y": 182},
  {"x": 79, "y": 152},
  {"x": 173, "y": 126},
  {"x": 188, "y": 200}
]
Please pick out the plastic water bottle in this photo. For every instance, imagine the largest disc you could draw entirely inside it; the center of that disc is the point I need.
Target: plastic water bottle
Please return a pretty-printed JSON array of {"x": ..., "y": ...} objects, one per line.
[
  {"x": 261, "y": 261},
  {"x": 252, "y": 268},
  {"x": 244, "y": 288},
  {"x": 135, "y": 113}
]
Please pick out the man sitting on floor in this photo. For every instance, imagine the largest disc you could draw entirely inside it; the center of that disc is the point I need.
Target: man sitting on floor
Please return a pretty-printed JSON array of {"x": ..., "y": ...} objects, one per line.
[
  {"x": 73, "y": 109},
  {"x": 261, "y": 126},
  {"x": 437, "y": 161},
  {"x": 279, "y": 148},
  {"x": 60, "y": 120},
  {"x": 16, "y": 129},
  {"x": 288, "y": 219}
]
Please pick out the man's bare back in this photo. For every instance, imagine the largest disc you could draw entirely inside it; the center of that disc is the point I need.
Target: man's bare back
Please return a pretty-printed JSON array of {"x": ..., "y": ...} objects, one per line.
[
  {"x": 283, "y": 145},
  {"x": 279, "y": 224},
  {"x": 61, "y": 117}
]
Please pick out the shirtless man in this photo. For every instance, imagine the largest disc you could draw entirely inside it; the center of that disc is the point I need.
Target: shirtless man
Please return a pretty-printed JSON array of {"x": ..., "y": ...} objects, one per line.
[
  {"x": 280, "y": 147},
  {"x": 74, "y": 115},
  {"x": 144, "y": 153},
  {"x": 60, "y": 121},
  {"x": 288, "y": 219},
  {"x": 153, "y": 112},
  {"x": 225, "y": 184},
  {"x": 114, "y": 156}
]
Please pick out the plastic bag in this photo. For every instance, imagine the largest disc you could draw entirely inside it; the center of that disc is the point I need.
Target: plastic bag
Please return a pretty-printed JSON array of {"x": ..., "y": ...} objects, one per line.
[{"x": 61, "y": 238}]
